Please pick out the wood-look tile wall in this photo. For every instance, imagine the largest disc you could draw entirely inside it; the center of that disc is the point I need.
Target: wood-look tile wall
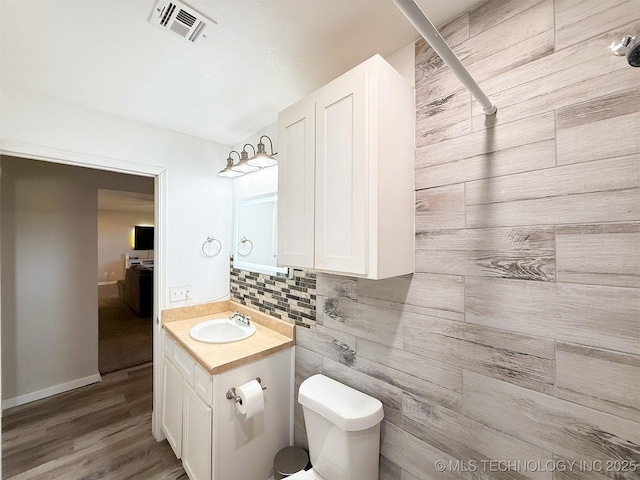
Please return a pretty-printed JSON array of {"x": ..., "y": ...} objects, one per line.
[{"x": 518, "y": 337}]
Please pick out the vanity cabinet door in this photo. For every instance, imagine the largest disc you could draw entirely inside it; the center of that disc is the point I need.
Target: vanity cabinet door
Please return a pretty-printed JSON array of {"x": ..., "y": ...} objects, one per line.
[
  {"x": 296, "y": 174},
  {"x": 172, "y": 406},
  {"x": 196, "y": 442}
]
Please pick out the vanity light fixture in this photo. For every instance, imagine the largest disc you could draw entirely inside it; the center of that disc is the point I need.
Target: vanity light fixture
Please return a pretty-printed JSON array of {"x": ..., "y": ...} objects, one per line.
[
  {"x": 228, "y": 171},
  {"x": 262, "y": 158},
  {"x": 243, "y": 165}
]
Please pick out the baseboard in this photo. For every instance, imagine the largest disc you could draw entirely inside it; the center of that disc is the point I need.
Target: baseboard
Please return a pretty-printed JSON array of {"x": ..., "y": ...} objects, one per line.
[{"x": 48, "y": 392}]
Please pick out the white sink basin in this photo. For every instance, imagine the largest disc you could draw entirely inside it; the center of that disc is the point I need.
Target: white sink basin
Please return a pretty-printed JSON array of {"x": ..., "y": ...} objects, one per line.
[{"x": 221, "y": 331}]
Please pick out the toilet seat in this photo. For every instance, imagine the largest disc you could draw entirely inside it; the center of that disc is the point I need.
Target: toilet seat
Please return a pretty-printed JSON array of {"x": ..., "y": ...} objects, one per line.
[{"x": 305, "y": 475}]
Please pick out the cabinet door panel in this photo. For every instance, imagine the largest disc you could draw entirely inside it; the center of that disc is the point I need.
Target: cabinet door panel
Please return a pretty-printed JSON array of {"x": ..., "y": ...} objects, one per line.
[
  {"x": 172, "y": 406},
  {"x": 342, "y": 175},
  {"x": 296, "y": 166},
  {"x": 196, "y": 442}
]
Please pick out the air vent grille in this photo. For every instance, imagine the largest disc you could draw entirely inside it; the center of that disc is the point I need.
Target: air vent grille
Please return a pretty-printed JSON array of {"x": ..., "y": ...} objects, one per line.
[{"x": 179, "y": 18}]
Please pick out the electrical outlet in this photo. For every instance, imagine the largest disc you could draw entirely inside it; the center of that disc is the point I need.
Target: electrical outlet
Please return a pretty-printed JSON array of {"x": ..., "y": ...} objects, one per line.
[{"x": 180, "y": 292}]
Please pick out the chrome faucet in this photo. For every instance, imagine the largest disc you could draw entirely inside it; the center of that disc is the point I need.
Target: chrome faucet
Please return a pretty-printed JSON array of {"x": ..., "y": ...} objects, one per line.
[{"x": 240, "y": 319}]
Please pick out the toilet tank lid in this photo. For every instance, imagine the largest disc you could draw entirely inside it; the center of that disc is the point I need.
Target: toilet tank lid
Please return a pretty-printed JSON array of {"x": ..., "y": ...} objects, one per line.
[{"x": 348, "y": 408}]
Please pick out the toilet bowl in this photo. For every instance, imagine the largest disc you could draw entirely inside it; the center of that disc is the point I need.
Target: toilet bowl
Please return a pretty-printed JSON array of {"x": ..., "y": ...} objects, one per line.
[{"x": 343, "y": 430}]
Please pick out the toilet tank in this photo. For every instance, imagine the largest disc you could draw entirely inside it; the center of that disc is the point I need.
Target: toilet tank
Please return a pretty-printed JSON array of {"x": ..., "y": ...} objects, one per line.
[{"x": 343, "y": 429}]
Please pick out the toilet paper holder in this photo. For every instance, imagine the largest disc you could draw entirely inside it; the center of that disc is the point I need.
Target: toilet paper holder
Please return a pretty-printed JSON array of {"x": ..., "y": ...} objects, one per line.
[{"x": 232, "y": 395}]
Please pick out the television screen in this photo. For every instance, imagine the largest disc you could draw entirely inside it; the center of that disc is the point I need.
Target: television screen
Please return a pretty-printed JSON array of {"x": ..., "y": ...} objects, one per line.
[{"x": 143, "y": 238}]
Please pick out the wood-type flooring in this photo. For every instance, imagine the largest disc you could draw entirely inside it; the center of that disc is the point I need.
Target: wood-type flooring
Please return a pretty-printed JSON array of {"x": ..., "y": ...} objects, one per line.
[{"x": 102, "y": 431}]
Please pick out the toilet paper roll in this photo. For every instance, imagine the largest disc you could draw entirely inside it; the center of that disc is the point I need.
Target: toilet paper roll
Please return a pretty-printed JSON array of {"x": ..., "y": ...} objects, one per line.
[{"x": 251, "y": 399}]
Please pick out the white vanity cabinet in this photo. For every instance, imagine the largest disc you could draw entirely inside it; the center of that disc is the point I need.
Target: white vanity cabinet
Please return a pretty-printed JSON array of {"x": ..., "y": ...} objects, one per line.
[
  {"x": 346, "y": 176},
  {"x": 196, "y": 443},
  {"x": 187, "y": 415},
  {"x": 202, "y": 425}
]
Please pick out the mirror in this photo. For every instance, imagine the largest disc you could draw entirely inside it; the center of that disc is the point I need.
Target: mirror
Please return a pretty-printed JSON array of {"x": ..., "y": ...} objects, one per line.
[{"x": 256, "y": 235}]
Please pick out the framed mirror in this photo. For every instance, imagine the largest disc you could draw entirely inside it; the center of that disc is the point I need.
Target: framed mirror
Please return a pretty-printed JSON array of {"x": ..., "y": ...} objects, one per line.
[{"x": 256, "y": 235}]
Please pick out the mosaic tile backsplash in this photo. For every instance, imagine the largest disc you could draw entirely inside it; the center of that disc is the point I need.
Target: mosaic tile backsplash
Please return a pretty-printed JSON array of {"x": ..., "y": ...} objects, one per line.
[{"x": 290, "y": 299}]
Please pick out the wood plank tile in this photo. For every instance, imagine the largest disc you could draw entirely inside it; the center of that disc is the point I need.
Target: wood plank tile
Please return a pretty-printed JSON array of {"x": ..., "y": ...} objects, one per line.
[
  {"x": 412, "y": 454},
  {"x": 533, "y": 48},
  {"x": 594, "y": 176},
  {"x": 453, "y": 127},
  {"x": 526, "y": 253},
  {"x": 601, "y": 379},
  {"x": 440, "y": 208},
  {"x": 429, "y": 294},
  {"x": 454, "y": 32},
  {"x": 520, "y": 359},
  {"x": 515, "y": 30},
  {"x": 554, "y": 91},
  {"x": 389, "y": 470},
  {"x": 524, "y": 158},
  {"x": 569, "y": 12},
  {"x": 493, "y": 12},
  {"x": 574, "y": 24},
  {"x": 443, "y": 106},
  {"x": 601, "y": 108},
  {"x": 588, "y": 470},
  {"x": 336, "y": 286},
  {"x": 432, "y": 371},
  {"x": 506, "y": 149},
  {"x": 389, "y": 395},
  {"x": 406, "y": 382},
  {"x": 328, "y": 343},
  {"x": 608, "y": 119},
  {"x": 503, "y": 137},
  {"x": 469, "y": 440},
  {"x": 604, "y": 317},
  {"x": 599, "y": 254},
  {"x": 598, "y": 191},
  {"x": 446, "y": 112},
  {"x": 576, "y": 144},
  {"x": 382, "y": 325},
  {"x": 308, "y": 363},
  {"x": 572, "y": 431}
]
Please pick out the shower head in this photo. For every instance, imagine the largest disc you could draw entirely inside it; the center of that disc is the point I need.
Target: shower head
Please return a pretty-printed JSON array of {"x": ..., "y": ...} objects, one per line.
[{"x": 629, "y": 46}]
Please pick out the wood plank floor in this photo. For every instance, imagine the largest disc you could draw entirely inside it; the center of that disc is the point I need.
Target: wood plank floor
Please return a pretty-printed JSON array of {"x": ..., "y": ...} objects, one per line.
[{"x": 102, "y": 431}]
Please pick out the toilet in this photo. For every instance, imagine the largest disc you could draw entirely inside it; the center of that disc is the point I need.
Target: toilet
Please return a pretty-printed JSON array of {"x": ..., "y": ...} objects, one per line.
[{"x": 343, "y": 430}]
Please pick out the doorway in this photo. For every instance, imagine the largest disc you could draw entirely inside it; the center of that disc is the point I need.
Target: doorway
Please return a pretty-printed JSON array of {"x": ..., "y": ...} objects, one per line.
[
  {"x": 158, "y": 174},
  {"x": 125, "y": 277}
]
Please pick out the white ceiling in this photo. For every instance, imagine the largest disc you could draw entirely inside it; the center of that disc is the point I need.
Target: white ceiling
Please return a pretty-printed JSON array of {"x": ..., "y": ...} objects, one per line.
[{"x": 261, "y": 56}]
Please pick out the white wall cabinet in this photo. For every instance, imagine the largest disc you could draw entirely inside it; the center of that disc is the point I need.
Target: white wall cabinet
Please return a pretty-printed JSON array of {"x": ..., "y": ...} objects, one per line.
[{"x": 346, "y": 171}]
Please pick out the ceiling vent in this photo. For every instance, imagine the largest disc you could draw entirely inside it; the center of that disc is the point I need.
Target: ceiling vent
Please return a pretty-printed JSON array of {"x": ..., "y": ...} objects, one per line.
[{"x": 180, "y": 19}]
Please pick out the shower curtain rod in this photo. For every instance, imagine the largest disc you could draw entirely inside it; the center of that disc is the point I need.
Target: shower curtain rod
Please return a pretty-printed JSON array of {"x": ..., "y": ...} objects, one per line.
[{"x": 419, "y": 20}]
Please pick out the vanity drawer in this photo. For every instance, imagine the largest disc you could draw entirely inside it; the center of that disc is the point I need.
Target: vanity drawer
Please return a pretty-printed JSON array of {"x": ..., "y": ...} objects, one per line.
[
  {"x": 184, "y": 363},
  {"x": 203, "y": 385}
]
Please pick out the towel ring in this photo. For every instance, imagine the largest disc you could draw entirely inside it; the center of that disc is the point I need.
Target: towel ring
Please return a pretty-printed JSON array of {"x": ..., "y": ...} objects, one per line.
[
  {"x": 243, "y": 241},
  {"x": 209, "y": 241}
]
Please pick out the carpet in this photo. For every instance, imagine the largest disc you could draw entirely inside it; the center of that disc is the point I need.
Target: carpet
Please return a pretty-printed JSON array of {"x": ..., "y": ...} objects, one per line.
[{"x": 124, "y": 339}]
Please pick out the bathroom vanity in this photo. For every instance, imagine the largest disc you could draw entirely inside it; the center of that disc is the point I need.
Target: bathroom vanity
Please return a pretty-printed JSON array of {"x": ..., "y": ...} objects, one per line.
[{"x": 202, "y": 425}]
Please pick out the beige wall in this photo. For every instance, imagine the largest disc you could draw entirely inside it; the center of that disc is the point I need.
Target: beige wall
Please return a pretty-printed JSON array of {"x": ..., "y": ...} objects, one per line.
[
  {"x": 518, "y": 337},
  {"x": 49, "y": 292}
]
